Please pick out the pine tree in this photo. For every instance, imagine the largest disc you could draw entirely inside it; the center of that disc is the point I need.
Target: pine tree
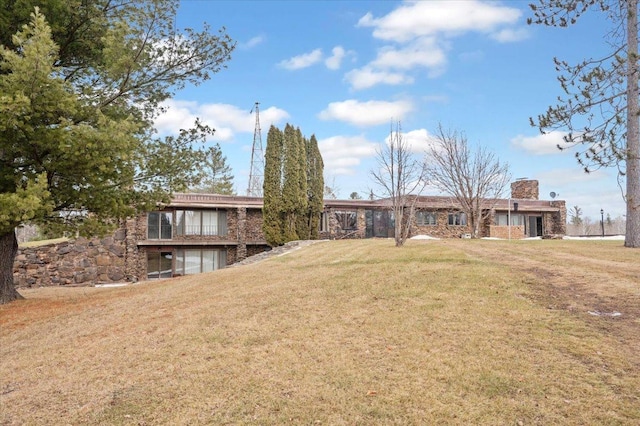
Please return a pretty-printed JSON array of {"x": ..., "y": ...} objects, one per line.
[
  {"x": 272, "y": 225},
  {"x": 600, "y": 106},
  {"x": 79, "y": 97},
  {"x": 217, "y": 177}
]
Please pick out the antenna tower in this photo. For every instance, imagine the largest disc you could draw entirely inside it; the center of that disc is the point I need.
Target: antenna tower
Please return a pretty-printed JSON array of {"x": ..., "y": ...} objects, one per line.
[{"x": 256, "y": 173}]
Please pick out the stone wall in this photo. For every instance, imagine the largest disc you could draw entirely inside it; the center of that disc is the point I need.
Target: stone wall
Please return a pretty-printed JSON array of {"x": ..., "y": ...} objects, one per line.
[
  {"x": 441, "y": 229},
  {"x": 556, "y": 223},
  {"x": 75, "y": 262},
  {"x": 253, "y": 226}
]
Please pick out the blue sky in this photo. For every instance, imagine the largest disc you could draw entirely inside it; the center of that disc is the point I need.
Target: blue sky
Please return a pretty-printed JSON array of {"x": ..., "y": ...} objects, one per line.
[{"x": 345, "y": 70}]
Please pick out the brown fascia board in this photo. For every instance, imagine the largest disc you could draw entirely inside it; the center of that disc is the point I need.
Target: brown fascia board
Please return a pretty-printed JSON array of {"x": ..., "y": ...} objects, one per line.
[
  {"x": 191, "y": 200},
  {"x": 215, "y": 200},
  {"x": 526, "y": 205}
]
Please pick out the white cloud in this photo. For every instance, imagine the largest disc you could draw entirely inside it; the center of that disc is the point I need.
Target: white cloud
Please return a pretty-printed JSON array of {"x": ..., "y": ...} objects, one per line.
[
  {"x": 423, "y": 18},
  {"x": 368, "y": 113},
  {"x": 508, "y": 35},
  {"x": 569, "y": 176},
  {"x": 343, "y": 154},
  {"x": 590, "y": 191},
  {"x": 541, "y": 144},
  {"x": 338, "y": 53},
  {"x": 252, "y": 42},
  {"x": 367, "y": 77},
  {"x": 302, "y": 61},
  {"x": 424, "y": 52},
  {"x": 392, "y": 62},
  {"x": 418, "y": 140},
  {"x": 226, "y": 119},
  {"x": 420, "y": 31}
]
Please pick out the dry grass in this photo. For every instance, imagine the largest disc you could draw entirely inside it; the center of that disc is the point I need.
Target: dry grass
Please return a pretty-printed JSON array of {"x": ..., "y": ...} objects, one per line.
[
  {"x": 343, "y": 332},
  {"x": 43, "y": 242}
]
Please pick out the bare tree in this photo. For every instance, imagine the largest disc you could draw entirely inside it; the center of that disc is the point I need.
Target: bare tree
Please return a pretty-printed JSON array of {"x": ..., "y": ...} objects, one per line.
[
  {"x": 476, "y": 179},
  {"x": 402, "y": 178}
]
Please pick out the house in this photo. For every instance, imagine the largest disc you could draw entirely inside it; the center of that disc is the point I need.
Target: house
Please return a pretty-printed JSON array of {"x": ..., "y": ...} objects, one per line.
[{"x": 198, "y": 233}]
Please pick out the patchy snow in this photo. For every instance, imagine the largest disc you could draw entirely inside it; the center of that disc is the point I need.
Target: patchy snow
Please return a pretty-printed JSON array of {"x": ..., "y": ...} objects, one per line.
[
  {"x": 592, "y": 237},
  {"x": 605, "y": 314},
  {"x": 609, "y": 237},
  {"x": 423, "y": 237}
]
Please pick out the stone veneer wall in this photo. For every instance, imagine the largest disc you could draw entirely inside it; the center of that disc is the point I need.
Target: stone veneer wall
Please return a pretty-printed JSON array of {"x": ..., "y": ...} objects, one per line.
[
  {"x": 556, "y": 223},
  {"x": 75, "y": 262},
  {"x": 441, "y": 229},
  {"x": 253, "y": 226}
]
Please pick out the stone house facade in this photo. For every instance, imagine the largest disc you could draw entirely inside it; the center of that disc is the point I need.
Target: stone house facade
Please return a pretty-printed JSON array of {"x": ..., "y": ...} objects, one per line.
[{"x": 201, "y": 232}]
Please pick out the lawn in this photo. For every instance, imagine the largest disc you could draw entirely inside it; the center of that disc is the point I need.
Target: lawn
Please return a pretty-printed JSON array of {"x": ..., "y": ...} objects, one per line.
[{"x": 341, "y": 333}]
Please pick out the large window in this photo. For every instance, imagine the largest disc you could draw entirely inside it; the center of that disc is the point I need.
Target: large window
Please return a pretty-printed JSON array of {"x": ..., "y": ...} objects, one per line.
[
  {"x": 196, "y": 261},
  {"x": 425, "y": 218},
  {"x": 503, "y": 218},
  {"x": 158, "y": 265},
  {"x": 324, "y": 222},
  {"x": 201, "y": 222},
  {"x": 347, "y": 220},
  {"x": 159, "y": 225},
  {"x": 457, "y": 219}
]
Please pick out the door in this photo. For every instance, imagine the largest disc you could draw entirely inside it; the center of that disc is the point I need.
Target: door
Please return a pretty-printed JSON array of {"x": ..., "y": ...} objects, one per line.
[
  {"x": 159, "y": 264},
  {"x": 535, "y": 226},
  {"x": 379, "y": 224}
]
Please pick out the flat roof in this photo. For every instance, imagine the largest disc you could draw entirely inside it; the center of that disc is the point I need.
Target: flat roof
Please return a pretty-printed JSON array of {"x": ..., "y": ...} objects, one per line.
[{"x": 191, "y": 200}]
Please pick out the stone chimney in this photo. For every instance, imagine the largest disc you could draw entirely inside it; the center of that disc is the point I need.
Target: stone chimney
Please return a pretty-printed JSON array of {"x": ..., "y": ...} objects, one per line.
[{"x": 525, "y": 189}]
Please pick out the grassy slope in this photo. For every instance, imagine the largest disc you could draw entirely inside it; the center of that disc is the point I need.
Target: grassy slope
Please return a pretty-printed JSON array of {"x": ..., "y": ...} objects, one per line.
[{"x": 344, "y": 332}]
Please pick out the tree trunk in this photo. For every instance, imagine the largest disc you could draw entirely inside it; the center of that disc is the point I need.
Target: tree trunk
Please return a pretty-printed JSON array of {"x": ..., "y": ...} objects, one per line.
[
  {"x": 398, "y": 225},
  {"x": 632, "y": 235},
  {"x": 8, "y": 251}
]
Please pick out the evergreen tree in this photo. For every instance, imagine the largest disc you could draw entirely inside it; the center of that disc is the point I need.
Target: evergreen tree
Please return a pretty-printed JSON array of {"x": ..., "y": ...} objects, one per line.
[
  {"x": 272, "y": 225},
  {"x": 315, "y": 186},
  {"x": 293, "y": 186},
  {"x": 290, "y": 182},
  {"x": 217, "y": 177},
  {"x": 302, "y": 221},
  {"x": 77, "y": 147},
  {"x": 600, "y": 108}
]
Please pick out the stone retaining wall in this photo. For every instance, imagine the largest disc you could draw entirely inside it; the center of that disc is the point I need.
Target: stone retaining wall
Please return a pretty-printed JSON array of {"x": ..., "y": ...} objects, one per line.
[{"x": 75, "y": 262}]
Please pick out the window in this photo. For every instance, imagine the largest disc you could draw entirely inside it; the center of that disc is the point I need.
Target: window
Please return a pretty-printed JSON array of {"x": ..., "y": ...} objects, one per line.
[
  {"x": 425, "y": 218},
  {"x": 201, "y": 222},
  {"x": 347, "y": 220},
  {"x": 196, "y": 261},
  {"x": 158, "y": 265},
  {"x": 457, "y": 219},
  {"x": 516, "y": 219},
  {"x": 324, "y": 222},
  {"x": 159, "y": 225}
]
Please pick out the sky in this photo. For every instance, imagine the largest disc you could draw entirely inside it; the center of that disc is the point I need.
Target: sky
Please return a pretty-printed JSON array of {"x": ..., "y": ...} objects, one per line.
[{"x": 344, "y": 71}]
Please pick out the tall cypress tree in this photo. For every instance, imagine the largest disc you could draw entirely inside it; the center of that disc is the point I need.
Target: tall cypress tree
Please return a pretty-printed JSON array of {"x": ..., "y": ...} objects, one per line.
[
  {"x": 272, "y": 225},
  {"x": 315, "y": 186},
  {"x": 293, "y": 186},
  {"x": 291, "y": 182},
  {"x": 302, "y": 224}
]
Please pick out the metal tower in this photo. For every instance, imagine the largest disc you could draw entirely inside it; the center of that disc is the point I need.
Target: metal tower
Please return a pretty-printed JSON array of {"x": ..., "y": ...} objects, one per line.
[{"x": 256, "y": 173}]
